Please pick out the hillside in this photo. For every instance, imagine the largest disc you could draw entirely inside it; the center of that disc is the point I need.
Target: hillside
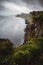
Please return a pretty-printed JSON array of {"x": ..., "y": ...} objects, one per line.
[
  {"x": 31, "y": 52},
  {"x": 27, "y": 54},
  {"x": 34, "y": 25}
]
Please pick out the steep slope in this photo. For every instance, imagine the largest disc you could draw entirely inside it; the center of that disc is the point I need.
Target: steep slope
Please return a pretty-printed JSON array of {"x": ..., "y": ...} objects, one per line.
[
  {"x": 34, "y": 25},
  {"x": 31, "y": 53}
]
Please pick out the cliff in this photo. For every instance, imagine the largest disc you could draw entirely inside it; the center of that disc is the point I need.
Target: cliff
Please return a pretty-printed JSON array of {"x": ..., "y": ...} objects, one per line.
[
  {"x": 30, "y": 53},
  {"x": 34, "y": 27},
  {"x": 27, "y": 54}
]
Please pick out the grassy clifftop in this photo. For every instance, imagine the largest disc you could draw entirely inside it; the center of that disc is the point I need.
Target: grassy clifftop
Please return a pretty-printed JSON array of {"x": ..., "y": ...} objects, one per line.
[
  {"x": 27, "y": 54},
  {"x": 30, "y": 53}
]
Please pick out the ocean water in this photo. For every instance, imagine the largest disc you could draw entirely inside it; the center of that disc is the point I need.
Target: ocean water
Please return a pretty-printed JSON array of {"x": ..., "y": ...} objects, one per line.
[{"x": 12, "y": 28}]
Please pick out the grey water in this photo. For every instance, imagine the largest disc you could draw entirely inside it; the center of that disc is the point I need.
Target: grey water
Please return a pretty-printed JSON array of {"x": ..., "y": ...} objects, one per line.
[{"x": 12, "y": 28}]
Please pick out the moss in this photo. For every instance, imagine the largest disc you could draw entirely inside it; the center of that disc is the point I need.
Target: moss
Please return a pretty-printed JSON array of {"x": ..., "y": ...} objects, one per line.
[{"x": 30, "y": 52}]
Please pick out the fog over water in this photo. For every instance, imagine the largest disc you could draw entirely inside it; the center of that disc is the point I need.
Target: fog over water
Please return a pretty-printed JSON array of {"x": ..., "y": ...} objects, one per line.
[{"x": 12, "y": 27}]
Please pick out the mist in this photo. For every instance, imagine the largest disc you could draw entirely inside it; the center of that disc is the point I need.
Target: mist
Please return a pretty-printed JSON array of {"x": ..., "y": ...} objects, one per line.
[{"x": 12, "y": 27}]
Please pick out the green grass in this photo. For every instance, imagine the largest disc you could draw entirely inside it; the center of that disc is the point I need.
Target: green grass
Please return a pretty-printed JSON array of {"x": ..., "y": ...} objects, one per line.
[{"x": 29, "y": 52}]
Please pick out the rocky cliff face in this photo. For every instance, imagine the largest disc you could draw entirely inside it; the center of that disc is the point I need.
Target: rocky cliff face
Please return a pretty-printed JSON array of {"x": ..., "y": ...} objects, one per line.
[
  {"x": 34, "y": 25},
  {"x": 34, "y": 29}
]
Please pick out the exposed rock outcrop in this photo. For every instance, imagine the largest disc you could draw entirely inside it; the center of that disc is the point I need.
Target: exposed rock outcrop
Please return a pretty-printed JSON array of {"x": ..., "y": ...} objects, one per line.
[
  {"x": 34, "y": 25},
  {"x": 35, "y": 29}
]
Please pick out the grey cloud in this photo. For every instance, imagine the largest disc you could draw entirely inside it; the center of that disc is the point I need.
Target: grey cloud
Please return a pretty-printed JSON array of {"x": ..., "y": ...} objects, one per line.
[
  {"x": 6, "y": 10},
  {"x": 18, "y": 2},
  {"x": 41, "y": 2},
  {"x": 34, "y": 4},
  {"x": 31, "y": 4},
  {"x": 30, "y": 1},
  {"x": 34, "y": 1},
  {"x": 14, "y": 1},
  {"x": 2, "y": 8},
  {"x": 26, "y": 1}
]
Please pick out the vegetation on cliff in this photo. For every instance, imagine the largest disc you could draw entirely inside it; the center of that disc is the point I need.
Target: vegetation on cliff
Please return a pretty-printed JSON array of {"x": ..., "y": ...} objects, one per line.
[
  {"x": 31, "y": 53},
  {"x": 28, "y": 54},
  {"x": 34, "y": 29}
]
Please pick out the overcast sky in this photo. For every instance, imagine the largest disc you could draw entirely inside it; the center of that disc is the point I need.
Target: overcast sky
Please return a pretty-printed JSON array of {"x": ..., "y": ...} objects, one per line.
[
  {"x": 19, "y": 6},
  {"x": 10, "y": 26}
]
